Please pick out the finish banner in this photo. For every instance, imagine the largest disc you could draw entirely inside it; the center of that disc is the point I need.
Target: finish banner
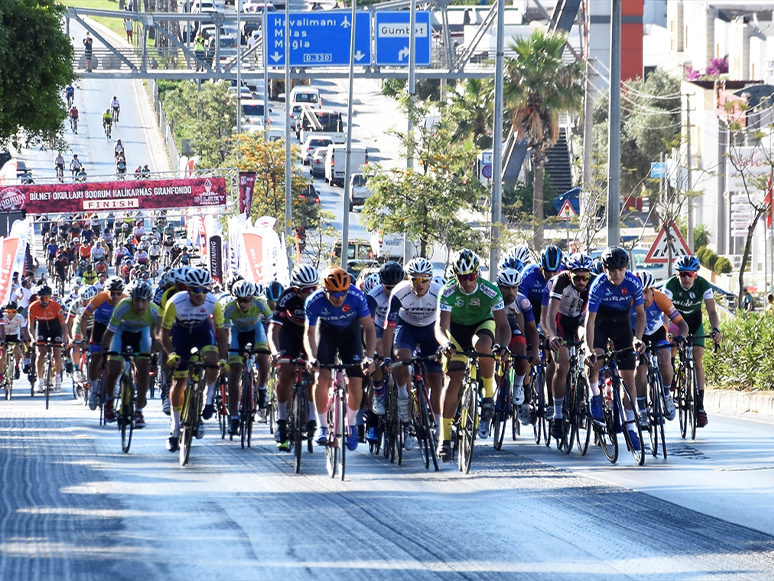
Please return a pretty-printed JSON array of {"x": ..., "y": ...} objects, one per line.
[
  {"x": 246, "y": 188},
  {"x": 118, "y": 195}
]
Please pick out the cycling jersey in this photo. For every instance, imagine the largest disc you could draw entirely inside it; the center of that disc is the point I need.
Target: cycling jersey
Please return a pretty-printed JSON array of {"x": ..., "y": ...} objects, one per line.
[
  {"x": 181, "y": 312},
  {"x": 142, "y": 257},
  {"x": 107, "y": 118},
  {"x": 572, "y": 302},
  {"x": 154, "y": 251},
  {"x": 115, "y": 104},
  {"x": 98, "y": 252},
  {"x": 604, "y": 295},
  {"x": 378, "y": 304},
  {"x": 89, "y": 277},
  {"x": 473, "y": 308},
  {"x": 406, "y": 307},
  {"x": 101, "y": 308},
  {"x": 532, "y": 285},
  {"x": 13, "y": 325},
  {"x": 521, "y": 306},
  {"x": 52, "y": 312},
  {"x": 239, "y": 321},
  {"x": 654, "y": 314},
  {"x": 688, "y": 301},
  {"x": 319, "y": 307},
  {"x": 168, "y": 294},
  {"x": 127, "y": 319},
  {"x": 158, "y": 294},
  {"x": 290, "y": 307}
]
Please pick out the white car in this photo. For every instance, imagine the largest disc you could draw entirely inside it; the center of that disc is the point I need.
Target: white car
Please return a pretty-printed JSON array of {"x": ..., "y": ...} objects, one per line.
[
  {"x": 359, "y": 191},
  {"x": 203, "y": 6}
]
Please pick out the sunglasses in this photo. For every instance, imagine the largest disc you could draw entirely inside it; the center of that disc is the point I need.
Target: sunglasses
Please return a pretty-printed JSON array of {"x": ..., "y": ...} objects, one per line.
[
  {"x": 581, "y": 277},
  {"x": 198, "y": 290},
  {"x": 244, "y": 301},
  {"x": 307, "y": 289},
  {"x": 420, "y": 280},
  {"x": 10, "y": 311},
  {"x": 471, "y": 276},
  {"x": 687, "y": 274},
  {"x": 337, "y": 295}
]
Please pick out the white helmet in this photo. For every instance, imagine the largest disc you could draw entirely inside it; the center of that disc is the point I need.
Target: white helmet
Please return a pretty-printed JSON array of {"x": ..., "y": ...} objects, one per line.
[
  {"x": 646, "y": 279},
  {"x": 304, "y": 275},
  {"x": 419, "y": 267},
  {"x": 243, "y": 289},
  {"x": 371, "y": 282},
  {"x": 509, "y": 277},
  {"x": 521, "y": 252},
  {"x": 87, "y": 293},
  {"x": 198, "y": 277}
]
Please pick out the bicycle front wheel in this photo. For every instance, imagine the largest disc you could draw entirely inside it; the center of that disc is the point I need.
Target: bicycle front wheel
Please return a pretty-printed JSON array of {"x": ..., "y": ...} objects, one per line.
[
  {"x": 331, "y": 447},
  {"x": 468, "y": 421},
  {"x": 607, "y": 437},
  {"x": 502, "y": 413},
  {"x": 126, "y": 414},
  {"x": 297, "y": 407},
  {"x": 568, "y": 411},
  {"x": 428, "y": 444},
  {"x": 694, "y": 409},
  {"x": 246, "y": 408},
  {"x": 189, "y": 422},
  {"x": 47, "y": 379},
  {"x": 684, "y": 394},
  {"x": 344, "y": 432},
  {"x": 638, "y": 452}
]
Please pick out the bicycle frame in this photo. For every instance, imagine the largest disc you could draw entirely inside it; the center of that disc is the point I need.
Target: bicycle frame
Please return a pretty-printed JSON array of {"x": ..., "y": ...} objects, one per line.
[
  {"x": 299, "y": 410},
  {"x": 337, "y": 421}
]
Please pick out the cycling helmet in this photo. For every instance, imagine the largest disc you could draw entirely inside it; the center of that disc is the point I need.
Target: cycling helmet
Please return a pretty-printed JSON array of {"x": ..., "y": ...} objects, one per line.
[
  {"x": 243, "y": 289},
  {"x": 180, "y": 274},
  {"x": 44, "y": 291},
  {"x": 598, "y": 268},
  {"x": 687, "y": 263},
  {"x": 511, "y": 262},
  {"x": 551, "y": 259},
  {"x": 336, "y": 279},
  {"x": 11, "y": 306},
  {"x": 87, "y": 293},
  {"x": 647, "y": 280},
  {"x": 440, "y": 280},
  {"x": 198, "y": 277},
  {"x": 234, "y": 279},
  {"x": 509, "y": 277},
  {"x": 304, "y": 275},
  {"x": 391, "y": 273},
  {"x": 419, "y": 267},
  {"x": 466, "y": 262},
  {"x": 273, "y": 291},
  {"x": 521, "y": 252},
  {"x": 615, "y": 257},
  {"x": 371, "y": 282},
  {"x": 258, "y": 289},
  {"x": 578, "y": 261},
  {"x": 141, "y": 291},
  {"x": 115, "y": 284}
]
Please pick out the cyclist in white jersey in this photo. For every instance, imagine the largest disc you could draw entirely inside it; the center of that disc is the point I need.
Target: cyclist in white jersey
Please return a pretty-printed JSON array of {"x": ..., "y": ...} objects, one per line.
[{"x": 13, "y": 330}]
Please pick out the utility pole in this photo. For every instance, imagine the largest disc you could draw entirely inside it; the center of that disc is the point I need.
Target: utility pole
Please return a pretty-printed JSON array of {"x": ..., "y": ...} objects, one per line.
[
  {"x": 689, "y": 182},
  {"x": 614, "y": 130},
  {"x": 497, "y": 147},
  {"x": 348, "y": 161},
  {"x": 288, "y": 165},
  {"x": 239, "y": 66},
  {"x": 412, "y": 89}
]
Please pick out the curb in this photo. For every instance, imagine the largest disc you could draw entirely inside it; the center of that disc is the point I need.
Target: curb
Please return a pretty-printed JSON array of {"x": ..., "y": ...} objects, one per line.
[{"x": 739, "y": 402}]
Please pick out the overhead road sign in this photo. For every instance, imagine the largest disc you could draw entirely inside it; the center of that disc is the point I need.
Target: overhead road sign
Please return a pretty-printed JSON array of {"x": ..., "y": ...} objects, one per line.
[
  {"x": 393, "y": 32},
  {"x": 659, "y": 252},
  {"x": 319, "y": 38}
]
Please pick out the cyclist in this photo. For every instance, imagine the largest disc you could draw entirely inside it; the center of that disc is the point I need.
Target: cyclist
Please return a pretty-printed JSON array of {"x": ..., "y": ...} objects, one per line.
[
  {"x": 611, "y": 298},
  {"x": 524, "y": 332},
  {"x": 272, "y": 292},
  {"x": 121, "y": 167},
  {"x": 657, "y": 306},
  {"x": 74, "y": 119},
  {"x": 116, "y": 107},
  {"x": 410, "y": 324},
  {"x": 75, "y": 165},
  {"x": 51, "y": 250},
  {"x": 59, "y": 164},
  {"x": 471, "y": 316},
  {"x": 98, "y": 252},
  {"x": 13, "y": 331},
  {"x": 45, "y": 320},
  {"x": 74, "y": 314},
  {"x": 568, "y": 300},
  {"x": 118, "y": 151},
  {"x": 337, "y": 316},
  {"x": 70, "y": 95},
  {"x": 534, "y": 277},
  {"x": 688, "y": 291},
  {"x": 286, "y": 339},
  {"x": 135, "y": 323},
  {"x": 154, "y": 254},
  {"x": 107, "y": 121},
  {"x": 187, "y": 325},
  {"x": 244, "y": 316},
  {"x": 101, "y": 306}
]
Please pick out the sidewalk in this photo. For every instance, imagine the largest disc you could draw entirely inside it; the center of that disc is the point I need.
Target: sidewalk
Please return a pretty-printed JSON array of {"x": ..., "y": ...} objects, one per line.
[{"x": 753, "y": 405}]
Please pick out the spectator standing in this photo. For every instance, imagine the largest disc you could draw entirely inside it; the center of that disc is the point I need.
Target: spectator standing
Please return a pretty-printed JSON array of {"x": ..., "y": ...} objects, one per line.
[
  {"x": 747, "y": 301},
  {"x": 128, "y": 27},
  {"x": 770, "y": 304},
  {"x": 88, "y": 42}
]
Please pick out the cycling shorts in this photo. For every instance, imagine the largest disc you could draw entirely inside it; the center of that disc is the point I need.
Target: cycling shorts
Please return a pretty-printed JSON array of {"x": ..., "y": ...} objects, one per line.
[
  {"x": 347, "y": 343},
  {"x": 140, "y": 342},
  {"x": 567, "y": 327},
  {"x": 256, "y": 336},
  {"x": 12, "y": 339},
  {"x": 202, "y": 337},
  {"x": 696, "y": 327},
  {"x": 657, "y": 338},
  {"x": 616, "y": 327},
  {"x": 517, "y": 337},
  {"x": 291, "y": 341},
  {"x": 379, "y": 331},
  {"x": 461, "y": 337},
  {"x": 410, "y": 336},
  {"x": 97, "y": 332},
  {"x": 49, "y": 330}
]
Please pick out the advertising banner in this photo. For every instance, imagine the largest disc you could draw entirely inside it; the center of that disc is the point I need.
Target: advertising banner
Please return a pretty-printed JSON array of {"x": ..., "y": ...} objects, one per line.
[
  {"x": 118, "y": 195},
  {"x": 246, "y": 187},
  {"x": 216, "y": 258},
  {"x": 7, "y": 260},
  {"x": 254, "y": 255}
]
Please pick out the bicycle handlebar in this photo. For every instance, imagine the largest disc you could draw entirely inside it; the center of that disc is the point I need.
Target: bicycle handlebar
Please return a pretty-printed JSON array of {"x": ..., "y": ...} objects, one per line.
[{"x": 415, "y": 360}]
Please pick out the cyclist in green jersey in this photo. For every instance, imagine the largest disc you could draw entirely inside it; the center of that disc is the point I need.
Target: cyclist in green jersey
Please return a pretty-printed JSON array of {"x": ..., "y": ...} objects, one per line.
[
  {"x": 136, "y": 323},
  {"x": 471, "y": 315},
  {"x": 688, "y": 291}
]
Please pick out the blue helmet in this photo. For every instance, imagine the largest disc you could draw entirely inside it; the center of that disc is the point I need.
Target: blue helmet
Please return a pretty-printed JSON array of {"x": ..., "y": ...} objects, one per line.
[
  {"x": 598, "y": 267},
  {"x": 273, "y": 291},
  {"x": 687, "y": 264},
  {"x": 578, "y": 261},
  {"x": 551, "y": 259},
  {"x": 511, "y": 262}
]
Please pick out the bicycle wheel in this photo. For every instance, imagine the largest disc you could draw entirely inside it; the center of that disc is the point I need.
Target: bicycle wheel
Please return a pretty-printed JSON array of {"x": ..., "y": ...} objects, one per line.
[
  {"x": 540, "y": 427},
  {"x": 694, "y": 409},
  {"x": 654, "y": 411},
  {"x": 392, "y": 425},
  {"x": 126, "y": 414},
  {"x": 271, "y": 399},
  {"x": 470, "y": 426},
  {"x": 501, "y": 413},
  {"x": 684, "y": 394},
  {"x": 221, "y": 397},
  {"x": 245, "y": 406},
  {"x": 637, "y": 452},
  {"x": 47, "y": 377},
  {"x": 343, "y": 433},
  {"x": 297, "y": 423},
  {"x": 583, "y": 420},
  {"x": 152, "y": 386},
  {"x": 428, "y": 430},
  {"x": 331, "y": 448},
  {"x": 189, "y": 422},
  {"x": 568, "y": 411}
]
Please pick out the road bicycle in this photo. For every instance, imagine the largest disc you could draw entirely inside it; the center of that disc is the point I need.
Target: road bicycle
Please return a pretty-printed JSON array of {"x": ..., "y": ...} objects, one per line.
[
  {"x": 656, "y": 420},
  {"x": 338, "y": 430},
  {"x": 125, "y": 405},
  {"x": 537, "y": 398},
  {"x": 575, "y": 429},
  {"x": 248, "y": 399},
  {"x": 465, "y": 424},
  {"x": 116, "y": 111},
  {"x": 687, "y": 387},
  {"x": 504, "y": 408},
  {"x": 60, "y": 173},
  {"x": 70, "y": 99},
  {"x": 268, "y": 414},
  {"x": 391, "y": 427},
  {"x": 422, "y": 416},
  {"x": 48, "y": 369},
  {"x": 74, "y": 124},
  {"x": 108, "y": 127},
  {"x": 192, "y": 404},
  {"x": 298, "y": 420},
  {"x": 8, "y": 373},
  {"x": 221, "y": 405}
]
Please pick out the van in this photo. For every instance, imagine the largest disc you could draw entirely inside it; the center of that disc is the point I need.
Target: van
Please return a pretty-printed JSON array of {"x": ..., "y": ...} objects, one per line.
[
  {"x": 390, "y": 246},
  {"x": 359, "y": 191},
  {"x": 336, "y": 159},
  {"x": 312, "y": 120},
  {"x": 305, "y": 95}
]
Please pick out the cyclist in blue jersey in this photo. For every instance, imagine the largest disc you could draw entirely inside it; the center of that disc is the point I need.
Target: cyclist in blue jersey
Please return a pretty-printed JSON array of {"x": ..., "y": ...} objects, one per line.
[
  {"x": 337, "y": 315},
  {"x": 535, "y": 276},
  {"x": 611, "y": 298}
]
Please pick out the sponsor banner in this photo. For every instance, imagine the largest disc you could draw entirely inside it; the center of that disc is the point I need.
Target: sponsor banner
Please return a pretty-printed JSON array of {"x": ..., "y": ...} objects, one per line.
[
  {"x": 8, "y": 260},
  {"x": 253, "y": 255},
  {"x": 263, "y": 254},
  {"x": 216, "y": 258},
  {"x": 118, "y": 195},
  {"x": 246, "y": 188}
]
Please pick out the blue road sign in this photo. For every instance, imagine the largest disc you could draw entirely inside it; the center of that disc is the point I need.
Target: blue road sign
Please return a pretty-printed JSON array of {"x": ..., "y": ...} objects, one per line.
[
  {"x": 319, "y": 38},
  {"x": 658, "y": 170},
  {"x": 393, "y": 30}
]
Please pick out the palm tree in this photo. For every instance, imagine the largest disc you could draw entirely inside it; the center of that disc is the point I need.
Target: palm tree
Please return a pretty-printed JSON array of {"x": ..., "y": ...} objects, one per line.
[
  {"x": 538, "y": 88},
  {"x": 472, "y": 110}
]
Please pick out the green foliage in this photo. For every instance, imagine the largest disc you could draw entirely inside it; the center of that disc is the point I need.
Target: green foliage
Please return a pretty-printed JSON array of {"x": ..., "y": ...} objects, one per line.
[
  {"x": 744, "y": 360},
  {"x": 723, "y": 265},
  {"x": 517, "y": 203},
  {"x": 425, "y": 88},
  {"x": 701, "y": 236},
  {"x": 206, "y": 116},
  {"x": 472, "y": 109},
  {"x": 37, "y": 59},
  {"x": 429, "y": 201},
  {"x": 707, "y": 257}
]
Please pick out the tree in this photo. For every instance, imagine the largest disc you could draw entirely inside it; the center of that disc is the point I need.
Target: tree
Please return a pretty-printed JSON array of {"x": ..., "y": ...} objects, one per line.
[
  {"x": 434, "y": 201},
  {"x": 37, "y": 65},
  {"x": 472, "y": 108},
  {"x": 538, "y": 88}
]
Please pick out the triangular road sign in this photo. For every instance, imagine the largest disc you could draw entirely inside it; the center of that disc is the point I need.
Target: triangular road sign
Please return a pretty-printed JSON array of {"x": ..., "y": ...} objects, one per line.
[
  {"x": 659, "y": 252},
  {"x": 567, "y": 212}
]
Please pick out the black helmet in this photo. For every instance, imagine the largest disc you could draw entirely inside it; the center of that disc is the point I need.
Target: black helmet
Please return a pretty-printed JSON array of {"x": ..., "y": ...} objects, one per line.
[
  {"x": 551, "y": 259},
  {"x": 391, "y": 273},
  {"x": 44, "y": 291},
  {"x": 12, "y": 306},
  {"x": 615, "y": 257},
  {"x": 273, "y": 291}
]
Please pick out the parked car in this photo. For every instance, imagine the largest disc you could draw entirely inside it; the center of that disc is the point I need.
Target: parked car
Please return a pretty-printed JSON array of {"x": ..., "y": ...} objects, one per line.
[
  {"x": 203, "y": 6},
  {"x": 309, "y": 194},
  {"x": 317, "y": 162},
  {"x": 312, "y": 143},
  {"x": 358, "y": 190}
]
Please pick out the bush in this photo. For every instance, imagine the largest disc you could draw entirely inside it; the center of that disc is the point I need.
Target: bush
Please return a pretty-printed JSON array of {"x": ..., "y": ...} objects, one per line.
[
  {"x": 701, "y": 254},
  {"x": 744, "y": 360},
  {"x": 723, "y": 265}
]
